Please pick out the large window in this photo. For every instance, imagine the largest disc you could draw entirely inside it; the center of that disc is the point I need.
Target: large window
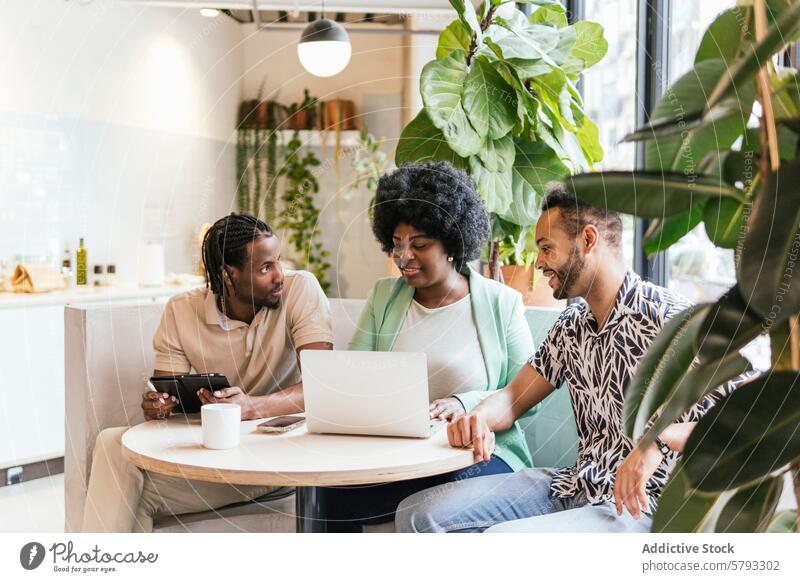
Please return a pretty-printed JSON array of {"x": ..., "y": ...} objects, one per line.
[
  {"x": 696, "y": 268},
  {"x": 609, "y": 90}
]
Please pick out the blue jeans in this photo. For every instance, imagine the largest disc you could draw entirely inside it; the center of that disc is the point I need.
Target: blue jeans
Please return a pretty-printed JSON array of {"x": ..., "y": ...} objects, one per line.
[
  {"x": 346, "y": 509},
  {"x": 517, "y": 502}
]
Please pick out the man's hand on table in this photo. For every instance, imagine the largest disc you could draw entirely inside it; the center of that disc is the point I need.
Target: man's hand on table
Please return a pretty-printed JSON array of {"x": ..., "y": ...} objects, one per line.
[
  {"x": 231, "y": 395},
  {"x": 632, "y": 476},
  {"x": 472, "y": 430},
  {"x": 448, "y": 409},
  {"x": 158, "y": 405}
]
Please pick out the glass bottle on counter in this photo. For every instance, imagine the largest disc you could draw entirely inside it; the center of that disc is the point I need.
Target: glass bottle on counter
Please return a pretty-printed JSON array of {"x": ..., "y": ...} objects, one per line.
[
  {"x": 99, "y": 278},
  {"x": 81, "y": 273},
  {"x": 111, "y": 275},
  {"x": 66, "y": 268}
]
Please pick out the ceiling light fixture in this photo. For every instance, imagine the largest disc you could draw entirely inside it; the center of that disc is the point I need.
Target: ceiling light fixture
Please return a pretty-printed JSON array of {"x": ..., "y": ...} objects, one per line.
[
  {"x": 324, "y": 48},
  {"x": 209, "y": 12}
]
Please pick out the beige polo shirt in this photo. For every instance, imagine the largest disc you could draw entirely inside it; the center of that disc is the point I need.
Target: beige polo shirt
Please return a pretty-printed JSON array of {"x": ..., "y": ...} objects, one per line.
[{"x": 260, "y": 357}]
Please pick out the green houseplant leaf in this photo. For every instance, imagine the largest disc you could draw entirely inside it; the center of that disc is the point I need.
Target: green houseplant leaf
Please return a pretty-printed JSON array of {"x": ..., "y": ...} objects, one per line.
[
  {"x": 663, "y": 232},
  {"x": 729, "y": 325},
  {"x": 535, "y": 164},
  {"x": 648, "y": 194},
  {"x": 422, "y": 142},
  {"x": 750, "y": 510},
  {"x": 685, "y": 100},
  {"x": 767, "y": 273},
  {"x": 728, "y": 35},
  {"x": 453, "y": 37},
  {"x": 783, "y": 31},
  {"x": 662, "y": 366},
  {"x": 784, "y": 522},
  {"x": 724, "y": 221},
  {"x": 589, "y": 48},
  {"x": 442, "y": 83},
  {"x": 747, "y": 435},
  {"x": 489, "y": 101},
  {"x": 682, "y": 508},
  {"x": 491, "y": 170}
]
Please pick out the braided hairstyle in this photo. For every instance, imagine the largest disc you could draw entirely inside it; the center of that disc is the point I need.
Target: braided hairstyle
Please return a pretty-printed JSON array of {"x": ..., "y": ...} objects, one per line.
[{"x": 225, "y": 243}]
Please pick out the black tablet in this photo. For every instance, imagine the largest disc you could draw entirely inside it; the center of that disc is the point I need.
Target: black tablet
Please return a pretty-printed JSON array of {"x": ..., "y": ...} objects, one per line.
[{"x": 185, "y": 387}]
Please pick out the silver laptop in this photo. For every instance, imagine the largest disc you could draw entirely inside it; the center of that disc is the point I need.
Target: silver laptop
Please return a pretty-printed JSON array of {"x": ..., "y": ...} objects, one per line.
[{"x": 366, "y": 393}]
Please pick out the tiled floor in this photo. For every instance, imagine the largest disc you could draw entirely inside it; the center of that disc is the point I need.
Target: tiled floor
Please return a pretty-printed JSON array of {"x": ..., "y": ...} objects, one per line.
[{"x": 34, "y": 506}]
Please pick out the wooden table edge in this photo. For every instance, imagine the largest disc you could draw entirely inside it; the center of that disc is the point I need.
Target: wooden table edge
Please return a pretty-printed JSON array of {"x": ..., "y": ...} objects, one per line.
[{"x": 295, "y": 479}]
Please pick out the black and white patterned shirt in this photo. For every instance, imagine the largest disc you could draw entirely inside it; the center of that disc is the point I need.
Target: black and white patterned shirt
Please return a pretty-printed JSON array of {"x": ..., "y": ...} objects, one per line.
[{"x": 597, "y": 367}]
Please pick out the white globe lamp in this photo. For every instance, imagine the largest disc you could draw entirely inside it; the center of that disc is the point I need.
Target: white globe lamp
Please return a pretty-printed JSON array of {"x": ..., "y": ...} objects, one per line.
[{"x": 324, "y": 48}]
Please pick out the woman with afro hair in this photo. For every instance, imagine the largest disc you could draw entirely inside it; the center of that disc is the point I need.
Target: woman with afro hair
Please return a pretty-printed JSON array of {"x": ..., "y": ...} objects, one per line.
[{"x": 430, "y": 220}]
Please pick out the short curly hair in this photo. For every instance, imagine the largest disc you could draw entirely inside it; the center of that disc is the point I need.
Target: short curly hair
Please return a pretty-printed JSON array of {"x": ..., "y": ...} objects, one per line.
[{"x": 436, "y": 199}]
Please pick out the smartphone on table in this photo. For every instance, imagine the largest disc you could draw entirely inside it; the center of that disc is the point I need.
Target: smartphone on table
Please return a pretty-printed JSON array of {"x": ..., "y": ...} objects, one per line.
[{"x": 281, "y": 424}]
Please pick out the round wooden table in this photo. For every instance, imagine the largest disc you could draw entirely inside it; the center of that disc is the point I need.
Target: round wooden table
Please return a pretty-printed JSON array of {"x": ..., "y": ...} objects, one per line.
[{"x": 296, "y": 458}]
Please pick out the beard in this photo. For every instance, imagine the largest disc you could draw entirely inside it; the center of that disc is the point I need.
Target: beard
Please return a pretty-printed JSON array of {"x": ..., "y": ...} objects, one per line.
[{"x": 568, "y": 274}]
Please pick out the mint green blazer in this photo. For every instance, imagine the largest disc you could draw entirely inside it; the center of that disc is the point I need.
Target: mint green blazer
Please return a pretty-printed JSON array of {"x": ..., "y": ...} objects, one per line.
[{"x": 503, "y": 334}]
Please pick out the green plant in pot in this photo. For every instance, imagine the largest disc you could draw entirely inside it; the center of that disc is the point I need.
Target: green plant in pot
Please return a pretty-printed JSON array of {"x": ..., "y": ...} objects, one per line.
[
  {"x": 501, "y": 102},
  {"x": 299, "y": 217},
  {"x": 711, "y": 157}
]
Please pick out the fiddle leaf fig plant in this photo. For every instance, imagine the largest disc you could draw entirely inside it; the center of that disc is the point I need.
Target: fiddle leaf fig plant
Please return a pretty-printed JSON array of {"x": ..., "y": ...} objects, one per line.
[
  {"x": 501, "y": 102},
  {"x": 712, "y": 157}
]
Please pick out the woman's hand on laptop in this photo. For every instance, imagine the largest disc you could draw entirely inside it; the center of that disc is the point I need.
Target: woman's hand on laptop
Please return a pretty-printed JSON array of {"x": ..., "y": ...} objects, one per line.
[
  {"x": 230, "y": 395},
  {"x": 448, "y": 409},
  {"x": 472, "y": 430}
]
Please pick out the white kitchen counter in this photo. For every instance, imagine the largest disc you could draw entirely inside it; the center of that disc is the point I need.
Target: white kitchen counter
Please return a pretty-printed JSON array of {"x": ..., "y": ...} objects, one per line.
[{"x": 88, "y": 295}]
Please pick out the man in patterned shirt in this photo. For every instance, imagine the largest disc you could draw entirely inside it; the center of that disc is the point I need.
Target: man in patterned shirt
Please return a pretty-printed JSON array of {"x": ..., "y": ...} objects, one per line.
[{"x": 594, "y": 347}]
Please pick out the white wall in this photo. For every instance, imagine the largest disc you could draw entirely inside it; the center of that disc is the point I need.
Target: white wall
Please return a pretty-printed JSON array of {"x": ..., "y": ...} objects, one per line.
[{"x": 116, "y": 124}]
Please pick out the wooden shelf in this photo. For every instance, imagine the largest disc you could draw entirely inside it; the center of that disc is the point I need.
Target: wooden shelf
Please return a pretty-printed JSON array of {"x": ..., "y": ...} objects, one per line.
[{"x": 314, "y": 137}]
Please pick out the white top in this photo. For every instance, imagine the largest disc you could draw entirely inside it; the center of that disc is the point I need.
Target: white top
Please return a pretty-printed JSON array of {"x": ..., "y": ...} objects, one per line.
[
  {"x": 450, "y": 339},
  {"x": 174, "y": 447}
]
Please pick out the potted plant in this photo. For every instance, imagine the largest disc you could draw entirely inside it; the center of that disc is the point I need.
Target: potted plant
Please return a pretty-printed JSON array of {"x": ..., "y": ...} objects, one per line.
[
  {"x": 703, "y": 164},
  {"x": 302, "y": 115},
  {"x": 501, "y": 102},
  {"x": 300, "y": 216}
]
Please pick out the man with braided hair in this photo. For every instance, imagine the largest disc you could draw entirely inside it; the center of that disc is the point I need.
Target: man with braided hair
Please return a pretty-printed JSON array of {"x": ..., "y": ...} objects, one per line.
[{"x": 250, "y": 324}]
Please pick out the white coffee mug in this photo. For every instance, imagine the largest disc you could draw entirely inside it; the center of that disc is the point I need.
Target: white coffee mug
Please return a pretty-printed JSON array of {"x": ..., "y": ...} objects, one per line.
[{"x": 221, "y": 423}]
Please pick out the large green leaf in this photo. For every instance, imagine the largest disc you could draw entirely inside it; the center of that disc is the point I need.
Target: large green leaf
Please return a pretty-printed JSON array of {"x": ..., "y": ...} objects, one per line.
[
  {"x": 494, "y": 187},
  {"x": 727, "y": 35},
  {"x": 535, "y": 165},
  {"x": 784, "y": 522},
  {"x": 747, "y": 435},
  {"x": 694, "y": 385},
  {"x": 453, "y": 37},
  {"x": 782, "y": 32},
  {"x": 589, "y": 48},
  {"x": 661, "y": 368},
  {"x": 489, "y": 101},
  {"x": 724, "y": 219},
  {"x": 498, "y": 155},
  {"x": 768, "y": 273},
  {"x": 649, "y": 194},
  {"x": 682, "y": 509},
  {"x": 529, "y": 68},
  {"x": 554, "y": 14},
  {"x": 683, "y": 101},
  {"x": 663, "y": 232},
  {"x": 422, "y": 142},
  {"x": 517, "y": 38},
  {"x": 589, "y": 138},
  {"x": 751, "y": 509},
  {"x": 728, "y": 327},
  {"x": 441, "y": 85}
]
